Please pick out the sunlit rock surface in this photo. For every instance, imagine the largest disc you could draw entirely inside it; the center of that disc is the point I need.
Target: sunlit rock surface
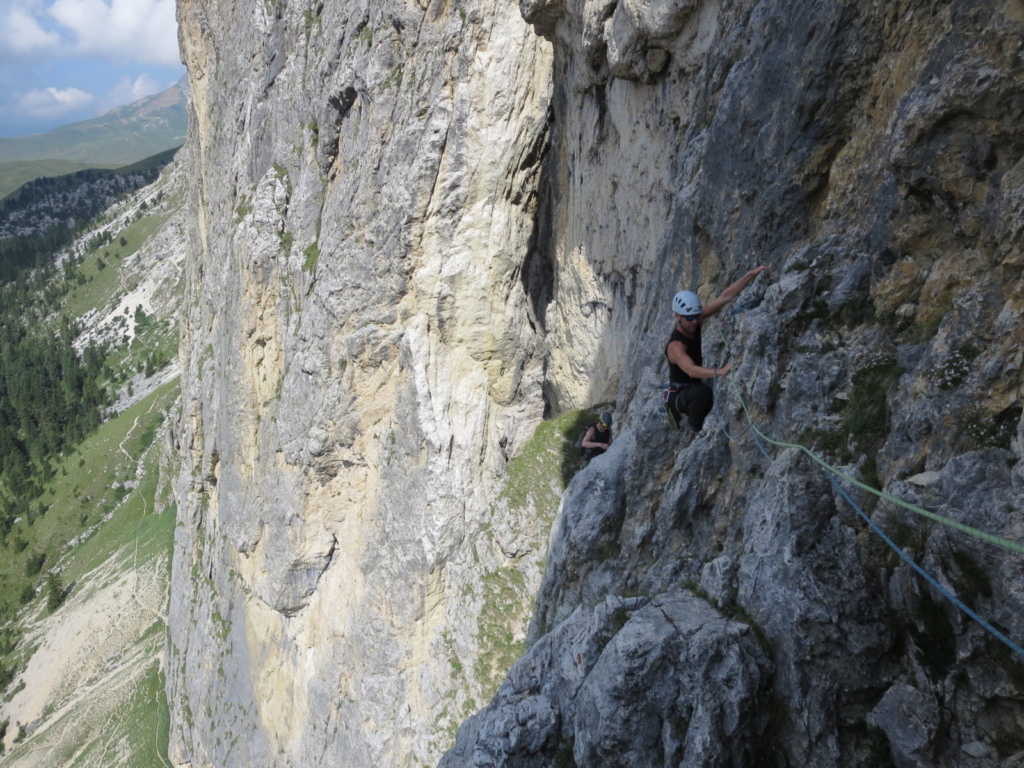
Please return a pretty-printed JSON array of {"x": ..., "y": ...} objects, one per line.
[{"x": 421, "y": 229}]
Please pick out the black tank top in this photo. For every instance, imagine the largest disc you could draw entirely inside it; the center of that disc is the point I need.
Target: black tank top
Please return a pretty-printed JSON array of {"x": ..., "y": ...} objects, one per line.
[{"x": 675, "y": 373}]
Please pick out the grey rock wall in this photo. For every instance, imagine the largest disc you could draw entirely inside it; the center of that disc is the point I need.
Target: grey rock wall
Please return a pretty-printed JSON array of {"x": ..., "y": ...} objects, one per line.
[
  {"x": 631, "y": 682},
  {"x": 422, "y": 227},
  {"x": 362, "y": 357},
  {"x": 870, "y": 155}
]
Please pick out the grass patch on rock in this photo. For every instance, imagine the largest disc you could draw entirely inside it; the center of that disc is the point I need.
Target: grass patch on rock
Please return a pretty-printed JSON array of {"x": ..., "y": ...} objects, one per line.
[
  {"x": 865, "y": 419},
  {"x": 543, "y": 469},
  {"x": 525, "y": 510},
  {"x": 499, "y": 625}
]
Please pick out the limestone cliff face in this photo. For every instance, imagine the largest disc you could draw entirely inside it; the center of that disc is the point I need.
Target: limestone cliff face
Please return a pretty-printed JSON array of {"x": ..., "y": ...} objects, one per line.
[
  {"x": 422, "y": 227},
  {"x": 364, "y": 352}
]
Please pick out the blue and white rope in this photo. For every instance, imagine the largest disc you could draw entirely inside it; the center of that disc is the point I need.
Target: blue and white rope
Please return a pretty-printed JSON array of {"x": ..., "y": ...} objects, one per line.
[{"x": 759, "y": 436}]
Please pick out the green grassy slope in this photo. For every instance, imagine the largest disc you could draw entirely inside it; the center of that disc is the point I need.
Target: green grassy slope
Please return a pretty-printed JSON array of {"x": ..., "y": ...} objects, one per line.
[
  {"x": 86, "y": 577},
  {"x": 109, "y": 531}
]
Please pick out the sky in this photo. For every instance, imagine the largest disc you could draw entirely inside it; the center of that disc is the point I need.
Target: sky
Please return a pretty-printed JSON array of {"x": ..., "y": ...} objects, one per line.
[{"x": 62, "y": 61}]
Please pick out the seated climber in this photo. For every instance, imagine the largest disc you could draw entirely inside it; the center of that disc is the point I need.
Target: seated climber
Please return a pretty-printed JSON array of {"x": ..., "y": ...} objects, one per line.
[
  {"x": 688, "y": 392},
  {"x": 597, "y": 438}
]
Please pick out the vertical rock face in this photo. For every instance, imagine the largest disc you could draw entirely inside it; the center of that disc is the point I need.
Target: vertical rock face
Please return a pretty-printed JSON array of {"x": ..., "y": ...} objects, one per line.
[
  {"x": 420, "y": 227},
  {"x": 364, "y": 352}
]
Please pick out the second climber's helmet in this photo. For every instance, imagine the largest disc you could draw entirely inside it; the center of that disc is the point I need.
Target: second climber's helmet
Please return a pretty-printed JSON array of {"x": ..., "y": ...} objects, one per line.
[
  {"x": 606, "y": 419},
  {"x": 686, "y": 303}
]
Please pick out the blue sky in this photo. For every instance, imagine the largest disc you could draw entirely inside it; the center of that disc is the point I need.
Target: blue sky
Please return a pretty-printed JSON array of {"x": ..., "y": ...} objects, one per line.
[{"x": 67, "y": 60}]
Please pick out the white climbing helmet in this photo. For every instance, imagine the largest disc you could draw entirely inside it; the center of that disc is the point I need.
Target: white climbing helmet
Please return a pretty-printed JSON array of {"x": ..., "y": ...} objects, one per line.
[{"x": 686, "y": 303}]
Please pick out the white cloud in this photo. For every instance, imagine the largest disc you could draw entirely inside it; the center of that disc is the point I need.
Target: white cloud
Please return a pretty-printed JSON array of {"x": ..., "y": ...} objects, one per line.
[
  {"x": 123, "y": 30},
  {"x": 22, "y": 32},
  {"x": 128, "y": 90},
  {"x": 51, "y": 103}
]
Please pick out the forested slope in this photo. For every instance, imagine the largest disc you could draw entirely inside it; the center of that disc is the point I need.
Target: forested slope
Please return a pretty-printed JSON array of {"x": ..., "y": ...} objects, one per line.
[{"x": 88, "y": 337}]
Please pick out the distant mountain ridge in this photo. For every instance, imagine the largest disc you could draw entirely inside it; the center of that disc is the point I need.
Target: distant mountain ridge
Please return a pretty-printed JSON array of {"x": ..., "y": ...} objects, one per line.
[
  {"x": 122, "y": 135},
  {"x": 14, "y": 173},
  {"x": 45, "y": 214}
]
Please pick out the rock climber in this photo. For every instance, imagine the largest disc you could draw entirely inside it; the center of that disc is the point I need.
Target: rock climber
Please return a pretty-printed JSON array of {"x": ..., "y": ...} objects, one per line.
[
  {"x": 597, "y": 438},
  {"x": 688, "y": 392}
]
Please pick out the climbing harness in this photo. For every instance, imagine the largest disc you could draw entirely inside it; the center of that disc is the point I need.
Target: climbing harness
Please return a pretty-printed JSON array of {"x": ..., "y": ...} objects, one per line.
[
  {"x": 667, "y": 405},
  {"x": 832, "y": 473}
]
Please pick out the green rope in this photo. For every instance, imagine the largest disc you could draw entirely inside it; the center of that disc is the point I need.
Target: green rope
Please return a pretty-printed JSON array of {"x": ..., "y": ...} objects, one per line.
[{"x": 990, "y": 538}]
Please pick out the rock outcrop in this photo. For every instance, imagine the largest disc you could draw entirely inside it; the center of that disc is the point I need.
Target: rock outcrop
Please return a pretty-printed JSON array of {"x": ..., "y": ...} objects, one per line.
[
  {"x": 866, "y": 156},
  {"x": 422, "y": 228},
  {"x": 632, "y": 682}
]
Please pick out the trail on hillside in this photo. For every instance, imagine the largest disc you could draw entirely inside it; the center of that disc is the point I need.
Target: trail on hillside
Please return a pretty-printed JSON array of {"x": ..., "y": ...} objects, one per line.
[
  {"x": 89, "y": 689},
  {"x": 139, "y": 471},
  {"x": 95, "y": 653},
  {"x": 88, "y": 666}
]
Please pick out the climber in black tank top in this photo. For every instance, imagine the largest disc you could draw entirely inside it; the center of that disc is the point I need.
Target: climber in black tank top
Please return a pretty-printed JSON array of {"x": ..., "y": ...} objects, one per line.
[
  {"x": 598, "y": 437},
  {"x": 688, "y": 392},
  {"x": 693, "y": 349}
]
